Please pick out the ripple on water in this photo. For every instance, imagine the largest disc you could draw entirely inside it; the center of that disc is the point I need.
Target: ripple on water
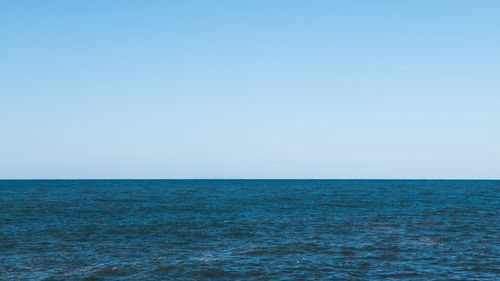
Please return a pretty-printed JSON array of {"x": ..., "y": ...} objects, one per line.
[{"x": 238, "y": 230}]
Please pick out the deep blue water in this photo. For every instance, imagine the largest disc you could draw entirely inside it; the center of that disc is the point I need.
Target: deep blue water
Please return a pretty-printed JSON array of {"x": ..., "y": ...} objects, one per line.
[{"x": 249, "y": 230}]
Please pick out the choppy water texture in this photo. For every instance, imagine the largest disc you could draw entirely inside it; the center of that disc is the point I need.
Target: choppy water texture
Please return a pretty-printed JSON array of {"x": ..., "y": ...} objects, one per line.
[{"x": 250, "y": 230}]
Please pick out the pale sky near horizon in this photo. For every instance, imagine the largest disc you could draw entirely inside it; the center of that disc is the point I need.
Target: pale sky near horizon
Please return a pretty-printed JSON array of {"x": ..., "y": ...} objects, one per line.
[{"x": 250, "y": 89}]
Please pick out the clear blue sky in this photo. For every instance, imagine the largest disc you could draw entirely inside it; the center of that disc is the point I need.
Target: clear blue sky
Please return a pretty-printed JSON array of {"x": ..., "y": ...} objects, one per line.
[{"x": 250, "y": 89}]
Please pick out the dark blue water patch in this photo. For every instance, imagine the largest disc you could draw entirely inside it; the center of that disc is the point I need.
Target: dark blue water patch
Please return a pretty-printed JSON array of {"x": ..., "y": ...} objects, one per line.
[{"x": 249, "y": 230}]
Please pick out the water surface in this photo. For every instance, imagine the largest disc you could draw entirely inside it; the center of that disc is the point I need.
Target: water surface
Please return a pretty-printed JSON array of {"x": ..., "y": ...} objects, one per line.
[{"x": 249, "y": 230}]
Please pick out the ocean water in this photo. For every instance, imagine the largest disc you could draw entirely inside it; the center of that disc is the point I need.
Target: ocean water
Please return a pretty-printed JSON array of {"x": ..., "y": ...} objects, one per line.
[{"x": 249, "y": 230}]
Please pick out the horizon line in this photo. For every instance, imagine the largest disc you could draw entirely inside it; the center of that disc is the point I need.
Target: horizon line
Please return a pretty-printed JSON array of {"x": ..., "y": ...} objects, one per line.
[{"x": 258, "y": 179}]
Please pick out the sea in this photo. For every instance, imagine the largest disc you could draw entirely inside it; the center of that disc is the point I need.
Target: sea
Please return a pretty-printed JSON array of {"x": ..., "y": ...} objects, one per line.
[{"x": 249, "y": 230}]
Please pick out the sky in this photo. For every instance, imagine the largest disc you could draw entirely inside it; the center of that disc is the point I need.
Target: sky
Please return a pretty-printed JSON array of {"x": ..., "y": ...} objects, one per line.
[{"x": 250, "y": 89}]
